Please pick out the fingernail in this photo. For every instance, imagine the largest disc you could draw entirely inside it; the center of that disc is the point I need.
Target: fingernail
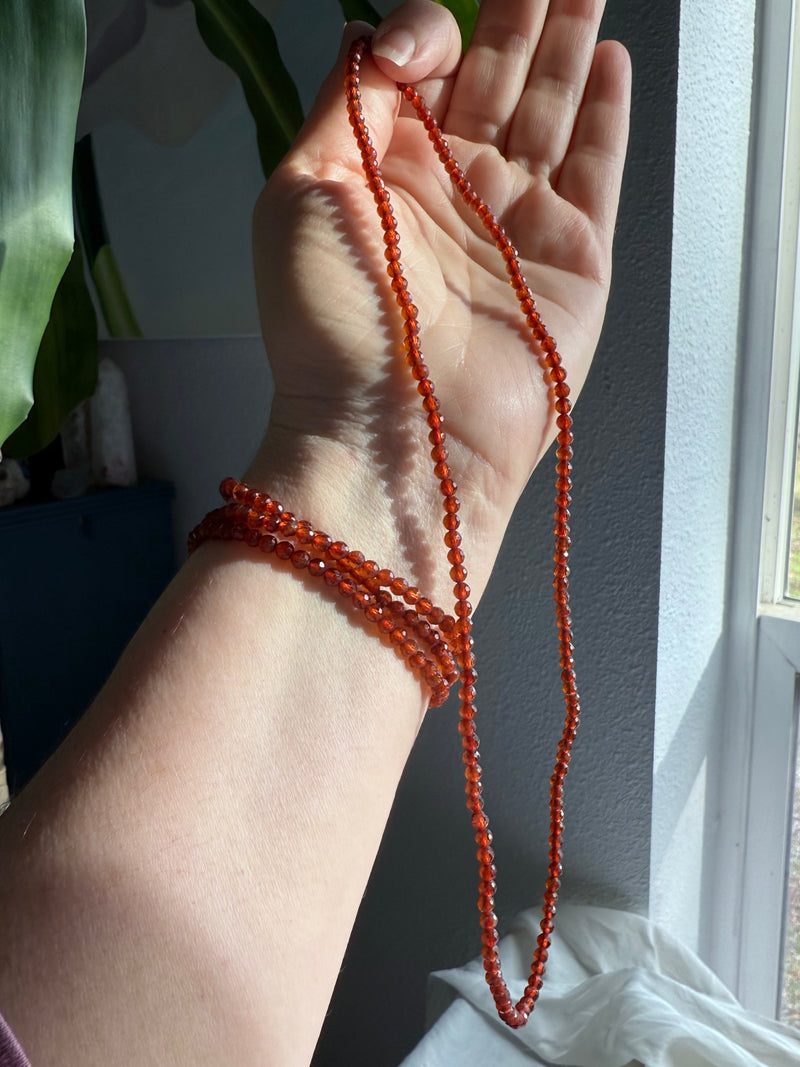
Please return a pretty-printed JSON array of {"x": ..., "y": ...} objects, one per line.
[{"x": 395, "y": 44}]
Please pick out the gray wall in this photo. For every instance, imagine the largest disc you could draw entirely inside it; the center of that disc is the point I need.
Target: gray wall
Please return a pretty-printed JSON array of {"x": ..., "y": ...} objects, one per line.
[{"x": 692, "y": 882}]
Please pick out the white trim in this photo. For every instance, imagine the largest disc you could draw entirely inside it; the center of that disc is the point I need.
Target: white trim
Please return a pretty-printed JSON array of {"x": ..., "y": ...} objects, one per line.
[
  {"x": 774, "y": 744},
  {"x": 729, "y": 920}
]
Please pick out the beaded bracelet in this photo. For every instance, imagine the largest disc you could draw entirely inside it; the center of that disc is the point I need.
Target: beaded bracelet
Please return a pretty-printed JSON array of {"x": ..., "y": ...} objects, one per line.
[
  {"x": 436, "y": 646},
  {"x": 422, "y": 633}
]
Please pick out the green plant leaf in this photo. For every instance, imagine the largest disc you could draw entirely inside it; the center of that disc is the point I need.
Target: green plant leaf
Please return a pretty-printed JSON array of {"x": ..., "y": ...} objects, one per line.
[
  {"x": 465, "y": 13},
  {"x": 42, "y": 46},
  {"x": 243, "y": 39},
  {"x": 360, "y": 11},
  {"x": 66, "y": 367},
  {"x": 117, "y": 312}
]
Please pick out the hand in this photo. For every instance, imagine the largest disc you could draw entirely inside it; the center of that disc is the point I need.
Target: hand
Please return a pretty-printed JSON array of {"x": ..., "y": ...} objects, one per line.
[{"x": 536, "y": 113}]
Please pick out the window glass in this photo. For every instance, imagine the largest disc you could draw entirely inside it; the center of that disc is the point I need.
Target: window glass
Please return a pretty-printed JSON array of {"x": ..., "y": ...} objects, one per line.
[{"x": 793, "y": 568}]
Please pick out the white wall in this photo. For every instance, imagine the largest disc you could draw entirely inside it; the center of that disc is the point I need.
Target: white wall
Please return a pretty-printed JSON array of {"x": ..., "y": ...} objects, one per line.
[
  {"x": 179, "y": 213},
  {"x": 714, "y": 100},
  {"x": 199, "y": 407}
]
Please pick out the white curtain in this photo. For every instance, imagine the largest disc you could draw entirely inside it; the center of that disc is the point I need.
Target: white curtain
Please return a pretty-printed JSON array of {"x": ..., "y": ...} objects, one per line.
[{"x": 618, "y": 992}]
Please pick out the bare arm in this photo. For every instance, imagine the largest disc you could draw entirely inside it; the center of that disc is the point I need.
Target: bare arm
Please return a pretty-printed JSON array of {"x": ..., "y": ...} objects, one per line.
[{"x": 180, "y": 881}]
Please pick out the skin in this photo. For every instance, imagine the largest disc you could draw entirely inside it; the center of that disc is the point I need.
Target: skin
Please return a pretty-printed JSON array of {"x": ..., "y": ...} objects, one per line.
[{"x": 181, "y": 879}]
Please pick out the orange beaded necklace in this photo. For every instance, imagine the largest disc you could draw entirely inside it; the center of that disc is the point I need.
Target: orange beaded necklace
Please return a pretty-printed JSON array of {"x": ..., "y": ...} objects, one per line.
[
  {"x": 436, "y": 646},
  {"x": 513, "y": 1015}
]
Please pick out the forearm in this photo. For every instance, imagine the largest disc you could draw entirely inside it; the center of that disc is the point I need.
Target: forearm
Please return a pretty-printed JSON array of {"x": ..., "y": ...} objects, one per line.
[
  {"x": 180, "y": 881},
  {"x": 199, "y": 849}
]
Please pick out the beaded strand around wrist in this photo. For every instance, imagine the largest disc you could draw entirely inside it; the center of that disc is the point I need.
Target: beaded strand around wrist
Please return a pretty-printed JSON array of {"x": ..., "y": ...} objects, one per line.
[
  {"x": 399, "y": 611},
  {"x": 438, "y": 647}
]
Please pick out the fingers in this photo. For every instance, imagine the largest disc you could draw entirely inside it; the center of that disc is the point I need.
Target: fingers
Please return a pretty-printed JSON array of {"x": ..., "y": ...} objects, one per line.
[
  {"x": 591, "y": 173},
  {"x": 495, "y": 69},
  {"x": 521, "y": 83},
  {"x": 542, "y": 126},
  {"x": 532, "y": 83}
]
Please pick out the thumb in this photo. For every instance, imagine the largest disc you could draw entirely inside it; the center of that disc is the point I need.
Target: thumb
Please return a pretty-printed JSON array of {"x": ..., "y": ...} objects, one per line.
[
  {"x": 417, "y": 41},
  {"x": 425, "y": 32}
]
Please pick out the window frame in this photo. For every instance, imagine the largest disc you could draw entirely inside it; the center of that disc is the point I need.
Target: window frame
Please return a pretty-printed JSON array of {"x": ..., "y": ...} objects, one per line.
[
  {"x": 746, "y": 905},
  {"x": 773, "y": 766}
]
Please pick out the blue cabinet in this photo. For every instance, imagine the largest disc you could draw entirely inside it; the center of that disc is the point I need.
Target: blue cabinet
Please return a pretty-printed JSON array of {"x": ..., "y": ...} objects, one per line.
[{"x": 77, "y": 577}]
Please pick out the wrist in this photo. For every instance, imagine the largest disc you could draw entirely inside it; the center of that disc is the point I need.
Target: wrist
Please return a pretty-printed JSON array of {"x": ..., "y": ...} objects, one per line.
[
  {"x": 367, "y": 479},
  {"x": 345, "y": 483}
]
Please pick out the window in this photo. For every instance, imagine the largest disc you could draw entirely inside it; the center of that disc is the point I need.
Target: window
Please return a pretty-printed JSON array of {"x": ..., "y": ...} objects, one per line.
[{"x": 762, "y": 751}]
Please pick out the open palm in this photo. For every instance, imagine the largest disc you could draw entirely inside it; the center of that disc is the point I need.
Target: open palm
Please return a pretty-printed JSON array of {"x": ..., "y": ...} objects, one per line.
[{"x": 536, "y": 115}]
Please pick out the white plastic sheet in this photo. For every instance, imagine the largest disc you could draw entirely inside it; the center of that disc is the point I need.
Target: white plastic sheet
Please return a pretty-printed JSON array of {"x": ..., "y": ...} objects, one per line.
[{"x": 619, "y": 992}]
